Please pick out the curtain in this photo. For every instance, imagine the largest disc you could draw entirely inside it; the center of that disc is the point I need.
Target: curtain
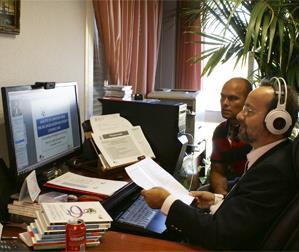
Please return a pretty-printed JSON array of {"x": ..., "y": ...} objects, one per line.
[
  {"x": 187, "y": 74},
  {"x": 130, "y": 32}
]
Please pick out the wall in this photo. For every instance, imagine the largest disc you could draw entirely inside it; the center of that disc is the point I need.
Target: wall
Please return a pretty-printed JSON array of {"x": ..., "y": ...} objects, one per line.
[{"x": 50, "y": 47}]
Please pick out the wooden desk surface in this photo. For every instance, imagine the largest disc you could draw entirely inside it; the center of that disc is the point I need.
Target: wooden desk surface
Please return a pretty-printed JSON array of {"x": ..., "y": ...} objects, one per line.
[{"x": 117, "y": 241}]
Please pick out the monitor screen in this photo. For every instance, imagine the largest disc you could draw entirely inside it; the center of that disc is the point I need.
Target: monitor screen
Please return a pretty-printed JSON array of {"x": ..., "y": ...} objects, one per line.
[{"x": 42, "y": 125}]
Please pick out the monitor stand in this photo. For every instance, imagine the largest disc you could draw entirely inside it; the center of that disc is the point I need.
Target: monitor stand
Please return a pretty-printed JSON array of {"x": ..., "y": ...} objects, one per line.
[{"x": 53, "y": 171}]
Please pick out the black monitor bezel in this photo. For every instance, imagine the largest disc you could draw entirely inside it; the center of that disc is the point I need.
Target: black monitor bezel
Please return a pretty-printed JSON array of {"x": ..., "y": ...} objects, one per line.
[{"x": 44, "y": 166}]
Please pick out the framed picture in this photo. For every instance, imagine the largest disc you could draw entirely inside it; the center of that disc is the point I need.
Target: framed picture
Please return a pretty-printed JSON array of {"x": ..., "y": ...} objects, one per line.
[{"x": 10, "y": 16}]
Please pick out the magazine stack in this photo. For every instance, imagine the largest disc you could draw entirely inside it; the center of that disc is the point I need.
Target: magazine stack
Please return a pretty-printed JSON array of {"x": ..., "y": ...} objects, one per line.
[
  {"x": 118, "y": 91},
  {"x": 20, "y": 211},
  {"x": 48, "y": 229}
]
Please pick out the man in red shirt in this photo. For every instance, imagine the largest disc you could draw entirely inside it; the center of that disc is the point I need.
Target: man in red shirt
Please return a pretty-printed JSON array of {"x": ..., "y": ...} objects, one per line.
[{"x": 228, "y": 157}]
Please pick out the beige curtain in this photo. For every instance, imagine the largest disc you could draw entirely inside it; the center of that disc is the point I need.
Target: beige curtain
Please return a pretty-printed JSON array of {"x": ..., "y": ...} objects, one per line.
[
  {"x": 130, "y": 32},
  {"x": 188, "y": 75}
]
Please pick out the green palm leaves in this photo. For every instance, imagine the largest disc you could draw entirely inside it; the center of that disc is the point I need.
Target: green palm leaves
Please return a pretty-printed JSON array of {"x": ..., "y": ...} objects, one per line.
[{"x": 267, "y": 29}]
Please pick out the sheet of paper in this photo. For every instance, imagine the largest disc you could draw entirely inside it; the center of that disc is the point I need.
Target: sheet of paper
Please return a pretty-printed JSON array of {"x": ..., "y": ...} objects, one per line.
[
  {"x": 118, "y": 148},
  {"x": 143, "y": 143},
  {"x": 109, "y": 123},
  {"x": 88, "y": 184},
  {"x": 26, "y": 238},
  {"x": 30, "y": 189},
  {"x": 118, "y": 141},
  {"x": 32, "y": 185},
  {"x": 147, "y": 174}
]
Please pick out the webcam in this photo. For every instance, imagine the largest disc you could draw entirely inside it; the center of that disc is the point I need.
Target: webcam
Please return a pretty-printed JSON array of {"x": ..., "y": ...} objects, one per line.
[{"x": 45, "y": 85}]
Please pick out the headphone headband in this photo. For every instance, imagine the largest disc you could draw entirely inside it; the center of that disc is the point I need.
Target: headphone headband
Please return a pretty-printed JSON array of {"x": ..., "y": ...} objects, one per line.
[{"x": 279, "y": 104}]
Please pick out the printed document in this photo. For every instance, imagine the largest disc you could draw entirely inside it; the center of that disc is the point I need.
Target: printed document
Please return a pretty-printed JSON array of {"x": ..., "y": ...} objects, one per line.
[
  {"x": 109, "y": 123},
  {"x": 118, "y": 141},
  {"x": 147, "y": 174}
]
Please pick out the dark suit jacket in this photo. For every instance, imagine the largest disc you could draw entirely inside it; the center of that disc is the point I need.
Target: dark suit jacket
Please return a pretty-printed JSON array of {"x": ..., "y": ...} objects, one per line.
[{"x": 248, "y": 210}]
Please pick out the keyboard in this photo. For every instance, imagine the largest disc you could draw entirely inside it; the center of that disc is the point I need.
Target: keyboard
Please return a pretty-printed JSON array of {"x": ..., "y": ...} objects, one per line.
[
  {"x": 138, "y": 214},
  {"x": 13, "y": 245}
]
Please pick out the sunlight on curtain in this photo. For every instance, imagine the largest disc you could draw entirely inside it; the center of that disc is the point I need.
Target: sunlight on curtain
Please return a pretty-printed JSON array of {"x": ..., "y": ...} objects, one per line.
[
  {"x": 130, "y": 32},
  {"x": 188, "y": 75}
]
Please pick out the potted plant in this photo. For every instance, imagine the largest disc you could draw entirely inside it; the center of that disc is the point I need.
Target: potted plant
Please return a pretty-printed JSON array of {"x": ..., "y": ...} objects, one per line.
[{"x": 266, "y": 29}]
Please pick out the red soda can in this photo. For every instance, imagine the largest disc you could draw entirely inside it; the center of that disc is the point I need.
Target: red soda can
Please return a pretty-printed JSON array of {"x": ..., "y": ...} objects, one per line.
[{"x": 75, "y": 235}]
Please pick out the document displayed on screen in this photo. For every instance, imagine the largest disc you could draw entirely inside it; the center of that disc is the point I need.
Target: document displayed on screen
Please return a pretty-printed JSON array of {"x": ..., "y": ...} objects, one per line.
[
  {"x": 20, "y": 137},
  {"x": 148, "y": 174},
  {"x": 52, "y": 126}
]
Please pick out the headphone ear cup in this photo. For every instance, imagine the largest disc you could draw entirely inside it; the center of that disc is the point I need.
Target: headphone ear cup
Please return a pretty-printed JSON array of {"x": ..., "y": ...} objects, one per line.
[{"x": 278, "y": 121}]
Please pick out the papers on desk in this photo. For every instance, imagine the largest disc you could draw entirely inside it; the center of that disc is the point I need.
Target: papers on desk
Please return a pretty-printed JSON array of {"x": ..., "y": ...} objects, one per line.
[
  {"x": 87, "y": 185},
  {"x": 118, "y": 141},
  {"x": 147, "y": 174}
]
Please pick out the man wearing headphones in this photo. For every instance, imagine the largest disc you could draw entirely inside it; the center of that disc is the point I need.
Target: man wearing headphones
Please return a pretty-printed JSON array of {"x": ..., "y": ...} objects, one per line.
[
  {"x": 228, "y": 156},
  {"x": 243, "y": 217}
]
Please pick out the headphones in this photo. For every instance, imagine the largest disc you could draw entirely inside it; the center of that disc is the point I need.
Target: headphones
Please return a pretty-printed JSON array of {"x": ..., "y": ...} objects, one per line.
[{"x": 278, "y": 121}]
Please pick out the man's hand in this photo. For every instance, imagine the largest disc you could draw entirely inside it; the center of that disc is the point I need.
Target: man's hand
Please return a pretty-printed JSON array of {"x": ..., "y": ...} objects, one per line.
[
  {"x": 203, "y": 199},
  {"x": 219, "y": 182},
  {"x": 155, "y": 197}
]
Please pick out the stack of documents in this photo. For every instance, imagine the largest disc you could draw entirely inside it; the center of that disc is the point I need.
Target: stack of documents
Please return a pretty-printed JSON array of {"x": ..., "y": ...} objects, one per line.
[
  {"x": 20, "y": 211},
  {"x": 119, "y": 91},
  {"x": 48, "y": 229},
  {"x": 117, "y": 142}
]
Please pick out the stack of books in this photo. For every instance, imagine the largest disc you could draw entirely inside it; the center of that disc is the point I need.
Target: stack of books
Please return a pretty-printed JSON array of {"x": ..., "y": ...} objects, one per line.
[
  {"x": 48, "y": 229},
  {"x": 119, "y": 91},
  {"x": 20, "y": 211}
]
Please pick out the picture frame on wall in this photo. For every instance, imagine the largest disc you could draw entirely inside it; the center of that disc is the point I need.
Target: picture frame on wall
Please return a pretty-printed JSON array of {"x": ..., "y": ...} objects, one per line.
[{"x": 10, "y": 16}]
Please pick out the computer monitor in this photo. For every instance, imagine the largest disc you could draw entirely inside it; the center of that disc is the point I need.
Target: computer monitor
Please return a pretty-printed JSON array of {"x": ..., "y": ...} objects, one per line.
[{"x": 42, "y": 126}]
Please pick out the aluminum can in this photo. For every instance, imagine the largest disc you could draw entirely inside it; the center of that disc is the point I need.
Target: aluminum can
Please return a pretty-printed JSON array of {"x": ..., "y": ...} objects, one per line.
[{"x": 75, "y": 235}]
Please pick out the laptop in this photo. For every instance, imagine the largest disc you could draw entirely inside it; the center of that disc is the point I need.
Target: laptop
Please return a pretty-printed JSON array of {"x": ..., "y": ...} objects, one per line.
[{"x": 131, "y": 213}]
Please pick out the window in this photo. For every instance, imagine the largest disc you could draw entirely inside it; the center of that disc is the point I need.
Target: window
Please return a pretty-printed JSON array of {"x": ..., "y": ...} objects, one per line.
[{"x": 213, "y": 83}]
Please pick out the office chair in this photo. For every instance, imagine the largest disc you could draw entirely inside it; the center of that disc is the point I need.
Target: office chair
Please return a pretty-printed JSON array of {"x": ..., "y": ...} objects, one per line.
[{"x": 284, "y": 234}]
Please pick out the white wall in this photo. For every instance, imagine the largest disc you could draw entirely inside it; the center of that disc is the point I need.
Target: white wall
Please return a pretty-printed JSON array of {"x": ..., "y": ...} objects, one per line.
[{"x": 50, "y": 47}]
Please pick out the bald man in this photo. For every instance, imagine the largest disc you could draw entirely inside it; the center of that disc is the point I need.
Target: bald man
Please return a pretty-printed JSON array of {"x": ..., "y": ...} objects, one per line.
[
  {"x": 244, "y": 216},
  {"x": 228, "y": 157}
]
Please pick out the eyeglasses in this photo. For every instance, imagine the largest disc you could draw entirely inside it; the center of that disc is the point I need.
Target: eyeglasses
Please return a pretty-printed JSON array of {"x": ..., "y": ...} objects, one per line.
[{"x": 247, "y": 111}]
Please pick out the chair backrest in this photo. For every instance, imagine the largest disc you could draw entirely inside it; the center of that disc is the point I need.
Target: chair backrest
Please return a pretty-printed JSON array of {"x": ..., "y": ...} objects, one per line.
[
  {"x": 284, "y": 234},
  {"x": 295, "y": 155}
]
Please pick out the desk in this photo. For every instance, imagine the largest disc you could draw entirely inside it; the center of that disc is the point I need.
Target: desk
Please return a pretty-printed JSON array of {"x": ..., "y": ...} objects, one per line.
[
  {"x": 117, "y": 241},
  {"x": 128, "y": 242}
]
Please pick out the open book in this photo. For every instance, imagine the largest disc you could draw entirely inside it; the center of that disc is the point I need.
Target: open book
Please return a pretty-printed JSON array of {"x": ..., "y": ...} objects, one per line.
[{"x": 117, "y": 142}]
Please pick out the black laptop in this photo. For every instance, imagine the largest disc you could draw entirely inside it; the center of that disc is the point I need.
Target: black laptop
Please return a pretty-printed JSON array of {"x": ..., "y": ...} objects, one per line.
[{"x": 130, "y": 212}]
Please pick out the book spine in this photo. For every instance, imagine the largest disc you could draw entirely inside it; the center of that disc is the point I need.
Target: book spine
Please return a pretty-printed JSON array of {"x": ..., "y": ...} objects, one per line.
[
  {"x": 22, "y": 212},
  {"x": 20, "y": 218}
]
